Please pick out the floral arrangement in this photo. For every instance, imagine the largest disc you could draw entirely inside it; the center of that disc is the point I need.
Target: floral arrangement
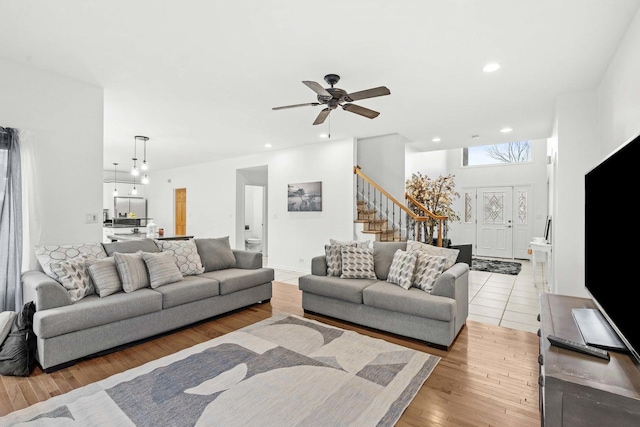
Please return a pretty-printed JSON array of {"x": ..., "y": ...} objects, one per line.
[{"x": 437, "y": 195}]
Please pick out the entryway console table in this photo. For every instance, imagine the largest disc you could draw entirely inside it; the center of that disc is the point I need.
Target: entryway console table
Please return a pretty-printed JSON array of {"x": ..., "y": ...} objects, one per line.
[{"x": 577, "y": 389}]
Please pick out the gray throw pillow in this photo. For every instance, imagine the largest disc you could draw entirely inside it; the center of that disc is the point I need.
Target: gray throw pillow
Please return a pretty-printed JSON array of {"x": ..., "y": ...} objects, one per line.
[
  {"x": 132, "y": 271},
  {"x": 216, "y": 253},
  {"x": 428, "y": 268},
  {"x": 185, "y": 254},
  {"x": 130, "y": 246},
  {"x": 105, "y": 276},
  {"x": 357, "y": 263},
  {"x": 162, "y": 268},
  {"x": 450, "y": 254},
  {"x": 74, "y": 276},
  {"x": 402, "y": 268}
]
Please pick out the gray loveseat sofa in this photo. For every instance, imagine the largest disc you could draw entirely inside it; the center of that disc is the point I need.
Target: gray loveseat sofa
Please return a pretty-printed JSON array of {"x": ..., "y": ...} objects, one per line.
[
  {"x": 68, "y": 330},
  {"x": 435, "y": 317}
]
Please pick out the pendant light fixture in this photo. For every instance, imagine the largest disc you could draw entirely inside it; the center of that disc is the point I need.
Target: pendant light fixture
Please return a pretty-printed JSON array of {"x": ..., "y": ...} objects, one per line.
[
  {"x": 134, "y": 169},
  {"x": 144, "y": 166},
  {"x": 115, "y": 181},
  {"x": 134, "y": 190}
]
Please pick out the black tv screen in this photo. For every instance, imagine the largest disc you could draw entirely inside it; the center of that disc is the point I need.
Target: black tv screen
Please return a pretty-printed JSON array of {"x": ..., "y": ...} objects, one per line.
[{"x": 612, "y": 241}]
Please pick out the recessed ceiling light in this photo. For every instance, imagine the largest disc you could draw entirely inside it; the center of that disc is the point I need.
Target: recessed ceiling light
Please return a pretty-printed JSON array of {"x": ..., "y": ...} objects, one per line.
[
  {"x": 490, "y": 68},
  {"x": 268, "y": 145},
  {"x": 506, "y": 130},
  {"x": 324, "y": 135},
  {"x": 436, "y": 139}
]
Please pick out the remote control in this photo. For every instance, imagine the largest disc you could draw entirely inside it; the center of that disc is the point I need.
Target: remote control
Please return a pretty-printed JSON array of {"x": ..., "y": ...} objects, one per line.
[{"x": 578, "y": 346}]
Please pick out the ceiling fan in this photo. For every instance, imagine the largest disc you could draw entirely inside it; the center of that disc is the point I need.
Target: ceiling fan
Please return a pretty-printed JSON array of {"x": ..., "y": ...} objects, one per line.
[{"x": 334, "y": 97}]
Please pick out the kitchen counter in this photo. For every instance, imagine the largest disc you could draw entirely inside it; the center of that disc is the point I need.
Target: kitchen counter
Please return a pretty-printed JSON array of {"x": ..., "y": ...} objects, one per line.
[{"x": 115, "y": 237}]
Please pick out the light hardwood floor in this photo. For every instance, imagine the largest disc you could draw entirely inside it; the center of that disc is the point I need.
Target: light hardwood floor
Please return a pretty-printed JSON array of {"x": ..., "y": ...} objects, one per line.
[{"x": 488, "y": 377}]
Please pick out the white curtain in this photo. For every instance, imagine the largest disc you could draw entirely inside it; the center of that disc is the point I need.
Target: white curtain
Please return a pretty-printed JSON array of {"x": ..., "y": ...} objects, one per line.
[
  {"x": 31, "y": 205},
  {"x": 10, "y": 221}
]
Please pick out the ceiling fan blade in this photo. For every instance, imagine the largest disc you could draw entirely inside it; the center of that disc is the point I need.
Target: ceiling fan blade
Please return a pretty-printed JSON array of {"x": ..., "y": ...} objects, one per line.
[
  {"x": 322, "y": 116},
  {"x": 308, "y": 104},
  {"x": 369, "y": 93},
  {"x": 317, "y": 88},
  {"x": 353, "y": 108}
]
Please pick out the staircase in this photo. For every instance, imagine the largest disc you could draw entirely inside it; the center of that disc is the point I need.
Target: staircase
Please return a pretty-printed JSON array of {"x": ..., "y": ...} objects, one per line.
[{"x": 389, "y": 220}]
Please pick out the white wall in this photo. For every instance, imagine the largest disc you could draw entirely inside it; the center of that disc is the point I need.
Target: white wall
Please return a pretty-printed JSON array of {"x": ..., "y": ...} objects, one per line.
[
  {"x": 589, "y": 126},
  {"x": 430, "y": 163},
  {"x": 619, "y": 93},
  {"x": 294, "y": 237},
  {"x": 382, "y": 158},
  {"x": 63, "y": 120}
]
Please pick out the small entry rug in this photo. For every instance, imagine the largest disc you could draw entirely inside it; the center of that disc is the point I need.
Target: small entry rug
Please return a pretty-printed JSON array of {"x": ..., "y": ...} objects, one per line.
[
  {"x": 282, "y": 371},
  {"x": 493, "y": 266}
]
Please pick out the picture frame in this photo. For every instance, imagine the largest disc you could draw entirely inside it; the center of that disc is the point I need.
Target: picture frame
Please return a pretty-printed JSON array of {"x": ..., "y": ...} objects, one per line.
[{"x": 304, "y": 197}]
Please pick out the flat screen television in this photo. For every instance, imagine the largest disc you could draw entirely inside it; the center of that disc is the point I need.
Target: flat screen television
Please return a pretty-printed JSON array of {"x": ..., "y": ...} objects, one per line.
[{"x": 612, "y": 242}]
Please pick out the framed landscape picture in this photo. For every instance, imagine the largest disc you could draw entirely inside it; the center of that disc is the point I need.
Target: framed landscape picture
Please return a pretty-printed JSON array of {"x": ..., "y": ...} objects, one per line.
[{"x": 305, "y": 197}]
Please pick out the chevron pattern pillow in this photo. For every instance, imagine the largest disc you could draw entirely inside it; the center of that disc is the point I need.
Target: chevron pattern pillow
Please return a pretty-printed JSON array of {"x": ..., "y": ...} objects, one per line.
[
  {"x": 428, "y": 268},
  {"x": 73, "y": 274},
  {"x": 362, "y": 244},
  {"x": 402, "y": 267},
  {"x": 357, "y": 263},
  {"x": 450, "y": 254},
  {"x": 334, "y": 258}
]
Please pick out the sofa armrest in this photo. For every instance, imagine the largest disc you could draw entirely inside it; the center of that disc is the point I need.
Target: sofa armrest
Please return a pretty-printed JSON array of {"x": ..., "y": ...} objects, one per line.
[
  {"x": 453, "y": 283},
  {"x": 247, "y": 260},
  {"x": 45, "y": 292},
  {"x": 319, "y": 265}
]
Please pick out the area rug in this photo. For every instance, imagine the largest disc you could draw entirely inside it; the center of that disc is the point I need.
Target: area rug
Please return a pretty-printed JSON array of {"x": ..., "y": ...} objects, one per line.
[
  {"x": 494, "y": 266},
  {"x": 282, "y": 371}
]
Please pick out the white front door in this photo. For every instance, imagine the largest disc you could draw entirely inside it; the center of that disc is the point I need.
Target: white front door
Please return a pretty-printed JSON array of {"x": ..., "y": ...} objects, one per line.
[{"x": 494, "y": 222}]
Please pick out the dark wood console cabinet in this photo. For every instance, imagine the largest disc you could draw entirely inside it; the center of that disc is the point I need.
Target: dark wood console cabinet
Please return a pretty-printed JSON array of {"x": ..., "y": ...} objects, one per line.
[{"x": 577, "y": 389}]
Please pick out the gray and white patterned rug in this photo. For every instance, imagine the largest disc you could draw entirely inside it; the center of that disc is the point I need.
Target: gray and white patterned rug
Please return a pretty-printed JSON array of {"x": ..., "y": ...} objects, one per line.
[
  {"x": 282, "y": 371},
  {"x": 495, "y": 266}
]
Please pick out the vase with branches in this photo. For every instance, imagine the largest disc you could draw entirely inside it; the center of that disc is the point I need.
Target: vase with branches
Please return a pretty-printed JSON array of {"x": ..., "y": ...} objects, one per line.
[{"x": 437, "y": 195}]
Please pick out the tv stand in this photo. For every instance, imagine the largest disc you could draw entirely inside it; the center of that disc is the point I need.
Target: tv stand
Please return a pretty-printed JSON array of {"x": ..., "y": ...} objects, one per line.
[
  {"x": 577, "y": 389},
  {"x": 596, "y": 331}
]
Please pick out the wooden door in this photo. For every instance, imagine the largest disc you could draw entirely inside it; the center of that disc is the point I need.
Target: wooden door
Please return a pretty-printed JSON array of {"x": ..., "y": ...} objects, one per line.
[
  {"x": 181, "y": 211},
  {"x": 494, "y": 225}
]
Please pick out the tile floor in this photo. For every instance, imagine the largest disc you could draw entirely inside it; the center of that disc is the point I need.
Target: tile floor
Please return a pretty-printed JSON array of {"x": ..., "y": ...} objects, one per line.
[{"x": 499, "y": 299}]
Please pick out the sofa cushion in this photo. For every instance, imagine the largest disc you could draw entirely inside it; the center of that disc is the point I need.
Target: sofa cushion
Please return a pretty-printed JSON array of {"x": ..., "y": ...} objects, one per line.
[
  {"x": 357, "y": 263},
  {"x": 189, "y": 289},
  {"x": 334, "y": 287},
  {"x": 236, "y": 279},
  {"x": 132, "y": 271},
  {"x": 74, "y": 276},
  {"x": 402, "y": 268},
  {"x": 162, "y": 268},
  {"x": 428, "y": 269},
  {"x": 185, "y": 253},
  {"x": 450, "y": 254},
  {"x": 383, "y": 256},
  {"x": 131, "y": 246},
  {"x": 95, "y": 311},
  {"x": 46, "y": 254},
  {"x": 409, "y": 301},
  {"x": 105, "y": 276},
  {"x": 216, "y": 253}
]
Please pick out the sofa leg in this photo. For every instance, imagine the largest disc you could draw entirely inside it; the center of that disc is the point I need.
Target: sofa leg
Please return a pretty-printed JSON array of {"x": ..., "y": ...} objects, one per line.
[{"x": 264, "y": 301}]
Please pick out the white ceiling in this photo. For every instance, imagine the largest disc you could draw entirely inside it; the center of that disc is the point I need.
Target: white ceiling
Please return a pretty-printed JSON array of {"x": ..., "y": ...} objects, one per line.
[{"x": 199, "y": 78}]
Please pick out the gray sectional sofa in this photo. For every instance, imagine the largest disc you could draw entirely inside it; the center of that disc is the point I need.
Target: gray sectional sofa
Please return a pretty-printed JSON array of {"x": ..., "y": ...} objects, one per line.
[
  {"x": 434, "y": 317},
  {"x": 68, "y": 330}
]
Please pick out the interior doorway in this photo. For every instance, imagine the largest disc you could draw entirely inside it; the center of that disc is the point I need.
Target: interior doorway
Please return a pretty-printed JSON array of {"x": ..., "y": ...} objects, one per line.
[
  {"x": 252, "y": 207},
  {"x": 180, "y": 201}
]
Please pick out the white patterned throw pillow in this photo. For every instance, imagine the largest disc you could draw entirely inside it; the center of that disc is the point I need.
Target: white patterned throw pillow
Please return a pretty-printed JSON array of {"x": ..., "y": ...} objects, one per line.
[
  {"x": 402, "y": 268},
  {"x": 450, "y": 254},
  {"x": 334, "y": 259},
  {"x": 428, "y": 268},
  {"x": 185, "y": 253},
  {"x": 357, "y": 263},
  {"x": 73, "y": 274},
  {"x": 362, "y": 244},
  {"x": 49, "y": 253}
]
